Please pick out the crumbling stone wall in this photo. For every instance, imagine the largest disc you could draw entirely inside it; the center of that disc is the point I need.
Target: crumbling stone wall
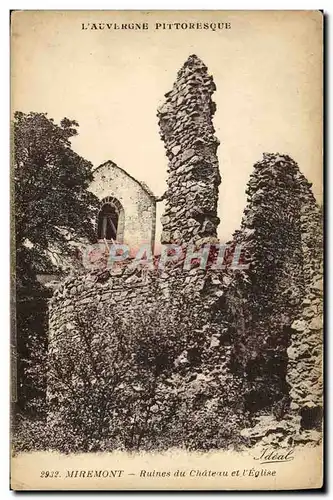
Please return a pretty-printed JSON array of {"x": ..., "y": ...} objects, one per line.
[
  {"x": 280, "y": 232},
  {"x": 305, "y": 356},
  {"x": 187, "y": 130},
  {"x": 76, "y": 293},
  {"x": 262, "y": 333},
  {"x": 135, "y": 290}
]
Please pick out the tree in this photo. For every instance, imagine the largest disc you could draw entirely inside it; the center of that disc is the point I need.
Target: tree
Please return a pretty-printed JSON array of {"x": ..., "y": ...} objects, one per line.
[
  {"x": 52, "y": 206},
  {"x": 51, "y": 181}
]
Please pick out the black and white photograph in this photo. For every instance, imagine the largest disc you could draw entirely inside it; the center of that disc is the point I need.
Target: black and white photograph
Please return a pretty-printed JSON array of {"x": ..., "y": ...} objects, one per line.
[{"x": 166, "y": 250}]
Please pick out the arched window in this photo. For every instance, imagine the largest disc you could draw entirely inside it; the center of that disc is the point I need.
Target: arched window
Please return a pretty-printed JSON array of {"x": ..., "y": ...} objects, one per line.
[
  {"x": 107, "y": 222},
  {"x": 110, "y": 224}
]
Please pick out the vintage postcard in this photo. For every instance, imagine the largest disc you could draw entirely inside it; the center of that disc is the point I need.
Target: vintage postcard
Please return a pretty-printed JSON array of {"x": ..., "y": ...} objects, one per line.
[{"x": 167, "y": 250}]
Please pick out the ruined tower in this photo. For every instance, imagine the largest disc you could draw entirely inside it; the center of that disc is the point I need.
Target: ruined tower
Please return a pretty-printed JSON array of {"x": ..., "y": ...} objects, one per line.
[
  {"x": 187, "y": 130},
  {"x": 281, "y": 341},
  {"x": 249, "y": 347}
]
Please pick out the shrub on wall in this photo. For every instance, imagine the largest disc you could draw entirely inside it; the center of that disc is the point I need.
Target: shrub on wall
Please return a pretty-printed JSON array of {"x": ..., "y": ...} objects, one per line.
[{"x": 140, "y": 381}]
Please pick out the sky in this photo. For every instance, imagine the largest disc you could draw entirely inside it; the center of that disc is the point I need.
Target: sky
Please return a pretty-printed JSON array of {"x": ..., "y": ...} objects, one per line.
[{"x": 267, "y": 69}]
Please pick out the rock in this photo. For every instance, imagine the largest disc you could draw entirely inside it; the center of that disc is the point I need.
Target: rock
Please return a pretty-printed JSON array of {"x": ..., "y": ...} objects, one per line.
[
  {"x": 215, "y": 341},
  {"x": 299, "y": 325},
  {"x": 316, "y": 324},
  {"x": 165, "y": 237},
  {"x": 318, "y": 285},
  {"x": 175, "y": 150}
]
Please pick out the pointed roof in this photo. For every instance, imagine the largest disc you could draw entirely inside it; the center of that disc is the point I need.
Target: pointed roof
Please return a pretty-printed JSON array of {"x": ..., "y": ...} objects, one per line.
[{"x": 142, "y": 184}]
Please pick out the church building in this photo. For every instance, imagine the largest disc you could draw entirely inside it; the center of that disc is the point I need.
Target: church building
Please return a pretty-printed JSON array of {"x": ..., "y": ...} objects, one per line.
[{"x": 127, "y": 207}]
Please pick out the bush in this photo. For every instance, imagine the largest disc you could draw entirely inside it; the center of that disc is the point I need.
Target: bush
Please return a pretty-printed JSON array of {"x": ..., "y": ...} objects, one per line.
[{"x": 147, "y": 380}]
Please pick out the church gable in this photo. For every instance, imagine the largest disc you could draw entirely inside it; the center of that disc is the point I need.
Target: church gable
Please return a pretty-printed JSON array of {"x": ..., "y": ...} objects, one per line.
[{"x": 128, "y": 208}]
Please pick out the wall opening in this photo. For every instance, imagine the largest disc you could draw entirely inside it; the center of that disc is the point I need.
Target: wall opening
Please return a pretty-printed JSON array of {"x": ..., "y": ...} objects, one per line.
[
  {"x": 110, "y": 220},
  {"x": 311, "y": 418},
  {"x": 107, "y": 222}
]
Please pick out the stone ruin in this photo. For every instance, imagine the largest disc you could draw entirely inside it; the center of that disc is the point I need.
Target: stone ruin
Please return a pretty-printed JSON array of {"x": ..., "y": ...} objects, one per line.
[
  {"x": 187, "y": 130},
  {"x": 266, "y": 321}
]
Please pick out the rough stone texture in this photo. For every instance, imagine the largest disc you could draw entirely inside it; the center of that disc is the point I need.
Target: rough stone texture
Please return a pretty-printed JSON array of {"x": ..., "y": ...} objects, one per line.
[
  {"x": 281, "y": 234},
  {"x": 305, "y": 370},
  {"x": 195, "y": 178},
  {"x": 138, "y": 203},
  {"x": 265, "y": 326},
  {"x": 76, "y": 293},
  {"x": 268, "y": 431},
  {"x": 185, "y": 121}
]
